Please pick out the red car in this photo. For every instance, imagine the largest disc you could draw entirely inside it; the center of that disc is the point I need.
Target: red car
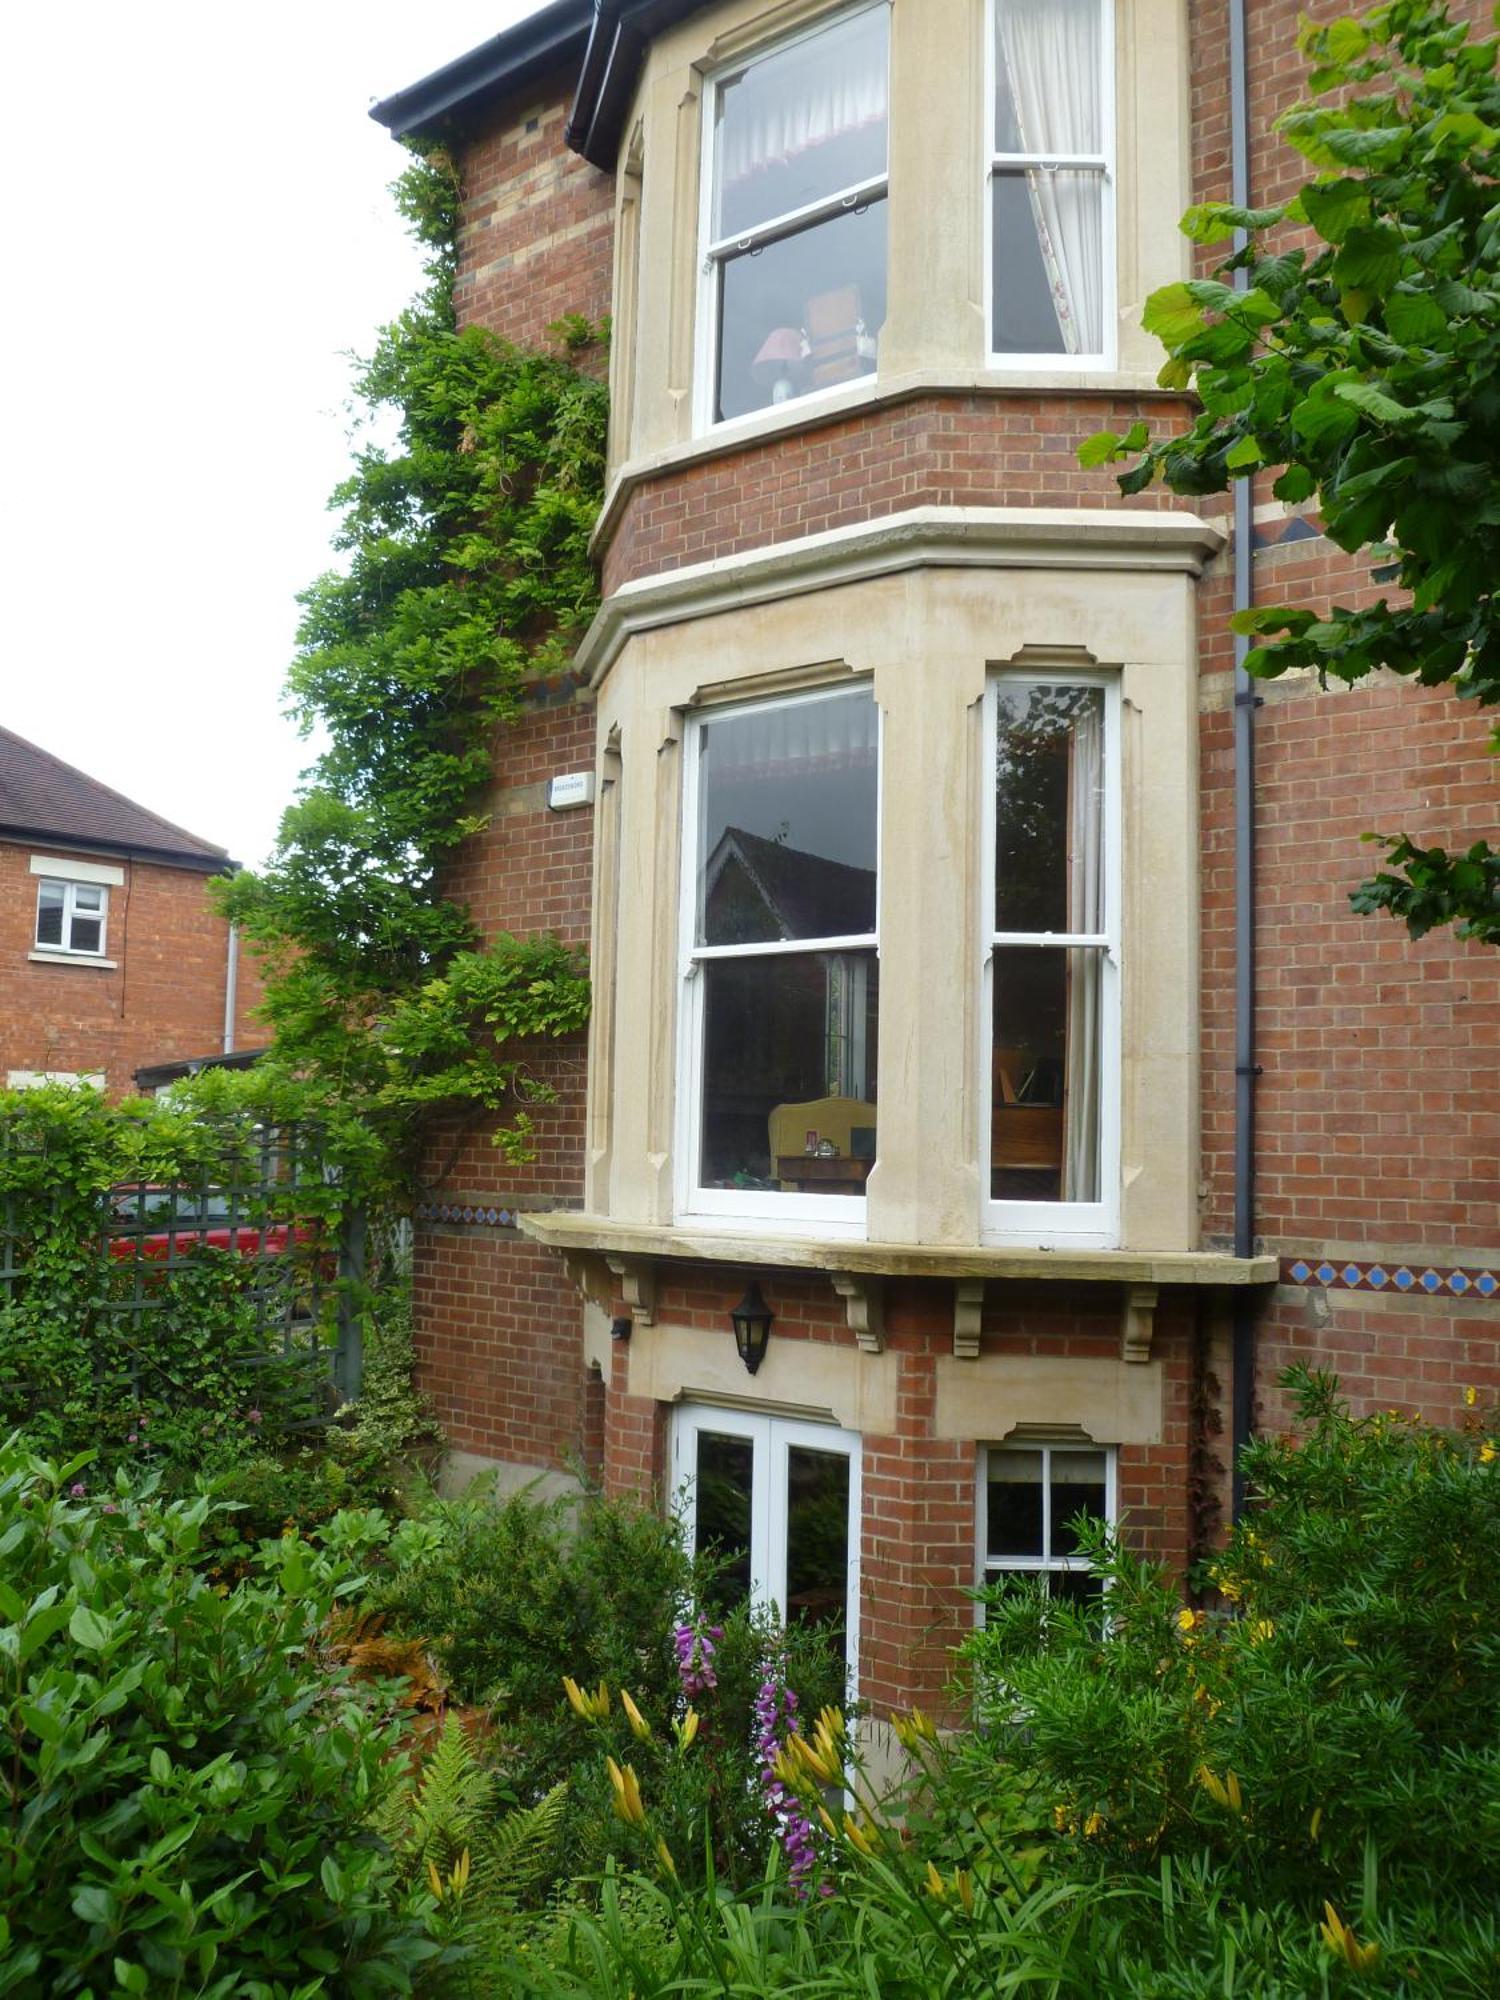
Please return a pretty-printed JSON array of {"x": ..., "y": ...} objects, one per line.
[{"x": 163, "y": 1223}]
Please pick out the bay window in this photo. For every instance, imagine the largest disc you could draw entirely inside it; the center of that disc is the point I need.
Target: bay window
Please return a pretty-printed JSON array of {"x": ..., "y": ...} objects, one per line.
[
  {"x": 1051, "y": 277},
  {"x": 1052, "y": 960},
  {"x": 794, "y": 223},
  {"x": 781, "y": 979}
]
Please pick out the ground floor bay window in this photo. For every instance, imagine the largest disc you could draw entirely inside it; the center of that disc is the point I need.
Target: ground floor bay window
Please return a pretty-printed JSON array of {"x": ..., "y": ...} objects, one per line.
[
  {"x": 1052, "y": 960},
  {"x": 781, "y": 978},
  {"x": 778, "y": 1501}
]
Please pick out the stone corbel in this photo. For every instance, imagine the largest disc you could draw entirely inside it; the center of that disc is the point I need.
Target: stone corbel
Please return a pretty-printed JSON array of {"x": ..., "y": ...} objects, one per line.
[
  {"x": 588, "y": 1276},
  {"x": 863, "y": 1294},
  {"x": 968, "y": 1311},
  {"x": 637, "y": 1276},
  {"x": 1137, "y": 1322}
]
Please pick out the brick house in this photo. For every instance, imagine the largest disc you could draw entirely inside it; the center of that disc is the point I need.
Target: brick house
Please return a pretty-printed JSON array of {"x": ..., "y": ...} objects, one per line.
[
  {"x": 112, "y": 959},
  {"x": 965, "y": 988}
]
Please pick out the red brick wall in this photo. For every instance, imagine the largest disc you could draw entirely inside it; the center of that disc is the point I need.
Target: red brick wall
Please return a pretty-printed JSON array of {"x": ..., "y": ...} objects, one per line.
[
  {"x": 499, "y": 1327},
  {"x": 163, "y": 1001}
]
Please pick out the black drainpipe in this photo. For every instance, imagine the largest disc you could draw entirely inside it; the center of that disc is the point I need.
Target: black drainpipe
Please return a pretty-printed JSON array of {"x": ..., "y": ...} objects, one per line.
[{"x": 1246, "y": 701}]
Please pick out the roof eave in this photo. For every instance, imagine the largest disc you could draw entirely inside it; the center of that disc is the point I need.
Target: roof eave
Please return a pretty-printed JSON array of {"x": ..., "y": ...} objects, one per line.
[
  {"x": 507, "y": 63},
  {"x": 131, "y": 850}
]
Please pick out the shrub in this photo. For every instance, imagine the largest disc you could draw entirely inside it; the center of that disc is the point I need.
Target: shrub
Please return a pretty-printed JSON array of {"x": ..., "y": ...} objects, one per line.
[{"x": 189, "y": 1783}]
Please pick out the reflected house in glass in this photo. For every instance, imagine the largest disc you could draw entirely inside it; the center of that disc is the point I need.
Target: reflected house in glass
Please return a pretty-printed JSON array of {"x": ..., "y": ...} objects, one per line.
[{"x": 910, "y": 879}]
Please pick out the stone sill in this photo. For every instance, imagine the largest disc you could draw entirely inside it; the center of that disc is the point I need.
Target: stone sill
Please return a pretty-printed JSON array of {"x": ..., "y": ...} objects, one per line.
[
  {"x": 74, "y": 958},
  {"x": 564, "y": 1229}
]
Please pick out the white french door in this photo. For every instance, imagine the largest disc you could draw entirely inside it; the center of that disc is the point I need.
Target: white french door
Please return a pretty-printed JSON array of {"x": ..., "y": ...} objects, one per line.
[{"x": 779, "y": 1500}]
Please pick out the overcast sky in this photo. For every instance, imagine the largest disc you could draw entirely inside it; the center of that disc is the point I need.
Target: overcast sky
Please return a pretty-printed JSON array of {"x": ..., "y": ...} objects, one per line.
[{"x": 197, "y": 234}]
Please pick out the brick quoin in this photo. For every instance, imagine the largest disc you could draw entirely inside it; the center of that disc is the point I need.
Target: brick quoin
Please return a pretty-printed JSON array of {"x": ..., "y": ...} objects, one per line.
[
  {"x": 1378, "y": 1111},
  {"x": 162, "y": 1003}
]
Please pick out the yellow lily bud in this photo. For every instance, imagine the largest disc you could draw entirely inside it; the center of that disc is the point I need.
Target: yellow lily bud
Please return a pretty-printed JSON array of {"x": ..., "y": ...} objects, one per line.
[
  {"x": 664, "y": 1856},
  {"x": 937, "y": 1888},
  {"x": 831, "y": 1723},
  {"x": 963, "y": 1883},
  {"x": 627, "y": 1790},
  {"x": 1342, "y": 1942},
  {"x": 601, "y": 1703},
  {"x": 859, "y": 1839},
  {"x": 686, "y": 1730},
  {"x": 1315, "y": 1822},
  {"x": 459, "y": 1879},
  {"x": 1232, "y": 1787},
  {"x": 1212, "y": 1785},
  {"x": 578, "y": 1701},
  {"x": 435, "y": 1880},
  {"x": 640, "y": 1728},
  {"x": 826, "y": 1819}
]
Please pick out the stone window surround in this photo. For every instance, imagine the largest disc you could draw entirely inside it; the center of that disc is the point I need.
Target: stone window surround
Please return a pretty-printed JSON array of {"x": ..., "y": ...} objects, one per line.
[
  {"x": 936, "y": 332},
  {"x": 961, "y": 598}
]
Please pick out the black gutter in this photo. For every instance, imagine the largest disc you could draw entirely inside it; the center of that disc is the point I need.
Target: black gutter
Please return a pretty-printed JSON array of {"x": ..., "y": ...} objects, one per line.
[
  {"x": 1246, "y": 701},
  {"x": 547, "y": 41},
  {"x": 611, "y": 70},
  {"x": 129, "y": 850}
]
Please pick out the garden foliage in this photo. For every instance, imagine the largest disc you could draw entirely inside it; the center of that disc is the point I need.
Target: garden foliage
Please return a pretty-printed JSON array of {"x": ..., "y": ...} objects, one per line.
[
  {"x": 1352, "y": 341},
  {"x": 187, "y": 1781}
]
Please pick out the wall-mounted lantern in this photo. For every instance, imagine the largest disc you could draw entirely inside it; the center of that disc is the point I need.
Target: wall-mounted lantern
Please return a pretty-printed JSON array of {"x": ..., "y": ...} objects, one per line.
[{"x": 752, "y": 1327}]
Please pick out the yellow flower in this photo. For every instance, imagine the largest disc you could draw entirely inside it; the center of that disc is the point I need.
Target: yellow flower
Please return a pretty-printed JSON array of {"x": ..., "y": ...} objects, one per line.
[
  {"x": 963, "y": 1884},
  {"x": 588, "y": 1707},
  {"x": 1486, "y": 1453},
  {"x": 914, "y": 1728},
  {"x": 1060, "y": 1819},
  {"x": 937, "y": 1888},
  {"x": 627, "y": 1791},
  {"x": 1223, "y": 1791},
  {"x": 640, "y": 1728},
  {"x": 1260, "y": 1629},
  {"x": 686, "y": 1730},
  {"x": 1471, "y": 1397},
  {"x": 1186, "y": 1620},
  {"x": 859, "y": 1838},
  {"x": 1342, "y": 1942},
  {"x": 664, "y": 1855},
  {"x": 1093, "y": 1825},
  {"x": 435, "y": 1881}
]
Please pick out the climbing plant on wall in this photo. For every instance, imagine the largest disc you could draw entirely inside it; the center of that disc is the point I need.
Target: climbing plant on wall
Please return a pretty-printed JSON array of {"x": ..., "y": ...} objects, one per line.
[{"x": 465, "y": 574}]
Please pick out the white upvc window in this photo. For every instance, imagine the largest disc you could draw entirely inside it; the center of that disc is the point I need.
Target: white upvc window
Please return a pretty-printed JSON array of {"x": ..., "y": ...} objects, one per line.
[
  {"x": 777, "y": 1085},
  {"x": 1050, "y": 1037},
  {"x": 793, "y": 217},
  {"x": 777, "y": 1500},
  {"x": 1030, "y": 1497},
  {"x": 1050, "y": 244},
  {"x": 71, "y": 917}
]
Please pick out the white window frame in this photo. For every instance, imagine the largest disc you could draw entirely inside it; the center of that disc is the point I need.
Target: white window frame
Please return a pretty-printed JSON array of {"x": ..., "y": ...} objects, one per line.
[
  {"x": 772, "y": 1438},
  {"x": 1055, "y": 1225},
  {"x": 1042, "y": 1565},
  {"x": 807, "y": 1214},
  {"x": 713, "y": 253},
  {"x": 1103, "y": 162},
  {"x": 66, "y": 948}
]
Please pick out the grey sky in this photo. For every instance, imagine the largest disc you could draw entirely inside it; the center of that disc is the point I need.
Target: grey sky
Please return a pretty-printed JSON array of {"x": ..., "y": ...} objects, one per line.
[{"x": 197, "y": 235}]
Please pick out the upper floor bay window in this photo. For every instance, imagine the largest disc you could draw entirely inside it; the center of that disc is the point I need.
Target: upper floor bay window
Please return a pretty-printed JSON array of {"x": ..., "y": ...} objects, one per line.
[
  {"x": 70, "y": 917},
  {"x": 794, "y": 222},
  {"x": 1051, "y": 147},
  {"x": 1052, "y": 965},
  {"x": 777, "y": 1082}
]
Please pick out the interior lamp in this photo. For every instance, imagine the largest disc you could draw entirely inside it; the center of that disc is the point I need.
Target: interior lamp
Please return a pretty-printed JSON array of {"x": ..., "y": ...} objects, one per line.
[{"x": 779, "y": 362}]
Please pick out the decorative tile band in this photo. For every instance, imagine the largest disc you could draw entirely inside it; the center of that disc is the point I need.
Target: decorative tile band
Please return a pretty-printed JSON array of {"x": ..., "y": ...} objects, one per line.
[
  {"x": 1433, "y": 1281},
  {"x": 473, "y": 1215}
]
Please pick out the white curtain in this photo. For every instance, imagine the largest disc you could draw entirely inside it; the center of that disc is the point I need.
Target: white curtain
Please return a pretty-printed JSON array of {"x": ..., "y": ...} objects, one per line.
[
  {"x": 818, "y": 90},
  {"x": 1050, "y": 53},
  {"x": 1080, "y": 1180}
]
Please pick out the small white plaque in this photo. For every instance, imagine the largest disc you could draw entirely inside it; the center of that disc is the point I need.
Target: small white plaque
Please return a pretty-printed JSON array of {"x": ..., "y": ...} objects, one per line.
[{"x": 575, "y": 789}]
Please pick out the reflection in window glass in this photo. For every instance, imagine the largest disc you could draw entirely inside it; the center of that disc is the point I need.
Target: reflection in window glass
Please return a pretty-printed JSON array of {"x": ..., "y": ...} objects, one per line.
[
  {"x": 1045, "y": 1089},
  {"x": 787, "y": 821},
  {"x": 723, "y": 1486},
  {"x": 1049, "y": 808},
  {"x": 789, "y": 1049},
  {"x": 817, "y": 1538},
  {"x": 49, "y": 913}
]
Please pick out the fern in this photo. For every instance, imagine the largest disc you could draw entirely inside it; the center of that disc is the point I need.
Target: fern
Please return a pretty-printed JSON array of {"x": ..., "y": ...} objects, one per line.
[{"x": 444, "y": 1826}]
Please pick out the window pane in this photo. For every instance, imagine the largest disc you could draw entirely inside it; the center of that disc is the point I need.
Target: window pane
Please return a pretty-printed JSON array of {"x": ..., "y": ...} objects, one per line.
[
  {"x": 817, "y": 1538},
  {"x": 1048, "y": 265},
  {"x": 86, "y": 934},
  {"x": 787, "y": 822},
  {"x": 86, "y": 897},
  {"x": 788, "y": 1063},
  {"x": 49, "y": 913},
  {"x": 802, "y": 313},
  {"x": 1044, "y": 1125},
  {"x": 725, "y": 1475},
  {"x": 1077, "y": 1488},
  {"x": 1014, "y": 1521},
  {"x": 802, "y": 123},
  {"x": 1048, "y": 95},
  {"x": 1049, "y": 809},
  {"x": 1076, "y": 1586}
]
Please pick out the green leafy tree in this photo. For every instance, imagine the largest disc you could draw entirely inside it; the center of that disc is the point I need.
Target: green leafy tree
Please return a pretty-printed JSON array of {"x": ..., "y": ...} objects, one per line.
[
  {"x": 1352, "y": 340},
  {"x": 466, "y": 574}
]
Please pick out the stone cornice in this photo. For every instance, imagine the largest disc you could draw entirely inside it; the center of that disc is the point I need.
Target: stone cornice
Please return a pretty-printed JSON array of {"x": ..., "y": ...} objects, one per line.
[{"x": 1072, "y": 538}]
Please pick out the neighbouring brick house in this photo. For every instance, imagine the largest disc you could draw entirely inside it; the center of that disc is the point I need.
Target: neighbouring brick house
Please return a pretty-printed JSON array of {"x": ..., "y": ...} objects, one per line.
[
  {"x": 924, "y": 840},
  {"x": 112, "y": 958}
]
